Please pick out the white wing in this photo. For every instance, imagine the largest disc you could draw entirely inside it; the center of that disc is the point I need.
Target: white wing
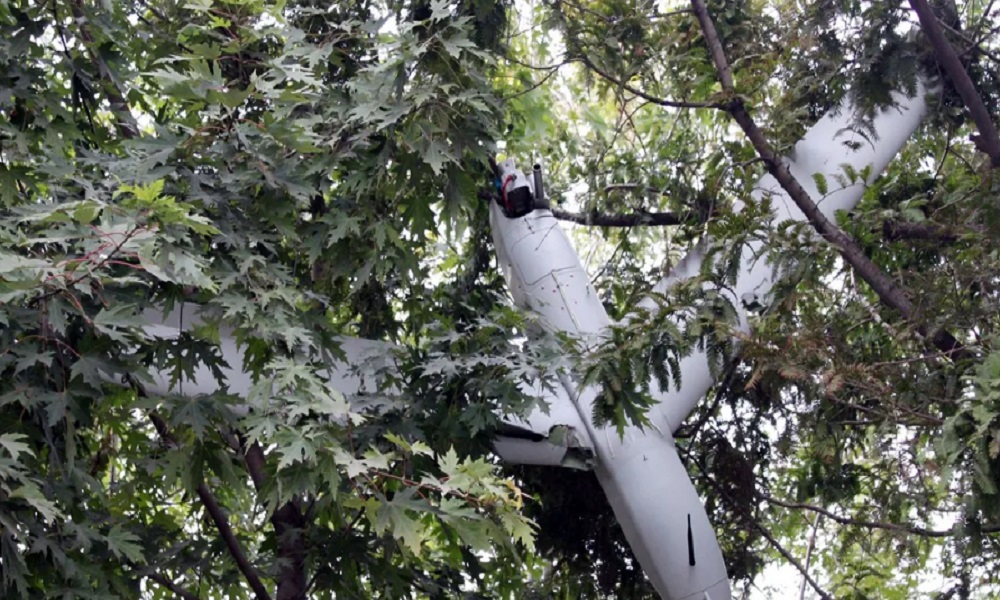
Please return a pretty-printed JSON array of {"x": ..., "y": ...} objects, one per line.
[{"x": 555, "y": 438}]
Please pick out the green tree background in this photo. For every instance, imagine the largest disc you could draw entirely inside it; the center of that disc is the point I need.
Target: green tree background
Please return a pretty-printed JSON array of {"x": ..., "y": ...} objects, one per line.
[{"x": 306, "y": 170}]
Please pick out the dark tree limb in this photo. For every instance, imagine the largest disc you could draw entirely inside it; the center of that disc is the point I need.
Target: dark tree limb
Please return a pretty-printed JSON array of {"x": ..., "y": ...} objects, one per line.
[
  {"x": 620, "y": 219},
  {"x": 596, "y": 219},
  {"x": 220, "y": 520},
  {"x": 888, "y": 292},
  {"x": 173, "y": 587},
  {"x": 904, "y": 230},
  {"x": 636, "y": 188},
  {"x": 253, "y": 456},
  {"x": 289, "y": 523},
  {"x": 952, "y": 66}
]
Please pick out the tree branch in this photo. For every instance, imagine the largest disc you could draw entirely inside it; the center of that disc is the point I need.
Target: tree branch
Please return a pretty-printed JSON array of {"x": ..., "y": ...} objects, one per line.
[
  {"x": 219, "y": 518},
  {"x": 126, "y": 123},
  {"x": 740, "y": 506},
  {"x": 253, "y": 456},
  {"x": 888, "y": 292},
  {"x": 596, "y": 219},
  {"x": 791, "y": 559},
  {"x": 173, "y": 587},
  {"x": 619, "y": 219},
  {"x": 645, "y": 96},
  {"x": 904, "y": 230},
  {"x": 632, "y": 187},
  {"x": 959, "y": 77},
  {"x": 288, "y": 522},
  {"x": 809, "y": 553},
  {"x": 907, "y": 529}
]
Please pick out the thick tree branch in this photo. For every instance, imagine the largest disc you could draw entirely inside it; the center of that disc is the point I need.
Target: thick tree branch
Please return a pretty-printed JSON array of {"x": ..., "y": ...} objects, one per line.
[
  {"x": 288, "y": 522},
  {"x": 253, "y": 456},
  {"x": 932, "y": 232},
  {"x": 888, "y": 292},
  {"x": 220, "y": 520},
  {"x": 619, "y": 219},
  {"x": 596, "y": 219},
  {"x": 952, "y": 65},
  {"x": 173, "y": 587}
]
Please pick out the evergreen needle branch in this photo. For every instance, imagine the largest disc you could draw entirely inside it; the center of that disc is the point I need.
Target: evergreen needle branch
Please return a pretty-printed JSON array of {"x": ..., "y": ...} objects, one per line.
[
  {"x": 952, "y": 65},
  {"x": 888, "y": 292},
  {"x": 220, "y": 520}
]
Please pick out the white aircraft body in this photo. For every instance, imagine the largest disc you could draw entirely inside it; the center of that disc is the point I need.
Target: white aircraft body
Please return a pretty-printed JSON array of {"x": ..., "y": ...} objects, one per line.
[{"x": 646, "y": 484}]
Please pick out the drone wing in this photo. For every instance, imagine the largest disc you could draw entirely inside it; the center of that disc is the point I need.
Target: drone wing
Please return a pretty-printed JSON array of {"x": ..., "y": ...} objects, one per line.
[{"x": 552, "y": 435}]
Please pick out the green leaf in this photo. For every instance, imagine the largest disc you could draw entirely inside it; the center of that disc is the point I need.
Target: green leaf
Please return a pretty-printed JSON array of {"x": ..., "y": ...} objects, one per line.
[
  {"x": 124, "y": 544},
  {"x": 820, "y": 181},
  {"x": 403, "y": 526},
  {"x": 11, "y": 442},
  {"x": 32, "y": 494}
]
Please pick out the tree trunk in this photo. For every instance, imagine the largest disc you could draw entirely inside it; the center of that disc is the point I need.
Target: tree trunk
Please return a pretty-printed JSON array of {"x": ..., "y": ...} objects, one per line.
[{"x": 289, "y": 525}]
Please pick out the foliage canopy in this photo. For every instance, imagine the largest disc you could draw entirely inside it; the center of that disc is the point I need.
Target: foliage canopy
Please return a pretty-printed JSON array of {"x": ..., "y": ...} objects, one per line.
[{"x": 307, "y": 170}]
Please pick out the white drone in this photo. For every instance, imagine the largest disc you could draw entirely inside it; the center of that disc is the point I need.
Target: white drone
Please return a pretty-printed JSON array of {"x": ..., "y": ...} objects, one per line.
[{"x": 645, "y": 481}]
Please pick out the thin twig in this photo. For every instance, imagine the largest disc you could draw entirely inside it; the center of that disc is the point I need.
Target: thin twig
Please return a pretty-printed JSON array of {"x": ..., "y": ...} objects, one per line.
[
  {"x": 533, "y": 86},
  {"x": 741, "y": 507},
  {"x": 906, "y": 529},
  {"x": 809, "y": 554},
  {"x": 644, "y": 95},
  {"x": 173, "y": 587},
  {"x": 792, "y": 560},
  {"x": 127, "y": 125},
  {"x": 633, "y": 187}
]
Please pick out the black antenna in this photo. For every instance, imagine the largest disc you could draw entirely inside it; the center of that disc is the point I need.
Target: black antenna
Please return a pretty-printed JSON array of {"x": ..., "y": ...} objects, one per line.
[{"x": 691, "y": 560}]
